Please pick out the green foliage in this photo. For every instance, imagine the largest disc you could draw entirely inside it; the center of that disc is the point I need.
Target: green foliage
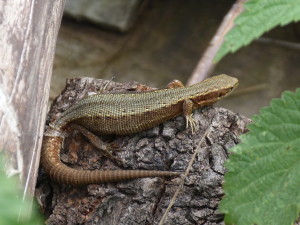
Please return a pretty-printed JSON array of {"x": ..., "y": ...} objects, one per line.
[
  {"x": 14, "y": 210},
  {"x": 263, "y": 182},
  {"x": 259, "y": 16}
]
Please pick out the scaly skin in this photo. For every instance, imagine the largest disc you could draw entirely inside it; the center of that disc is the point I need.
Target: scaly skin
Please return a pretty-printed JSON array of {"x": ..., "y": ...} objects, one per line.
[{"x": 124, "y": 114}]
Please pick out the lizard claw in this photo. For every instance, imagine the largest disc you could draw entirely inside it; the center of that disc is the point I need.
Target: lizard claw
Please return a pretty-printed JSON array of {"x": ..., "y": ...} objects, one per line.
[{"x": 190, "y": 122}]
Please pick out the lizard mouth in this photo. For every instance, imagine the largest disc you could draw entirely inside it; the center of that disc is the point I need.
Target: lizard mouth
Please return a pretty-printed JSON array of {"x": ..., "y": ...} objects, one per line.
[{"x": 211, "y": 97}]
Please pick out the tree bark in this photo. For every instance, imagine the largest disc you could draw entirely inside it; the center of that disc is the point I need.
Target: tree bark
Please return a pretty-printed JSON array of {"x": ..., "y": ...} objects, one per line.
[
  {"x": 169, "y": 146},
  {"x": 28, "y": 37}
]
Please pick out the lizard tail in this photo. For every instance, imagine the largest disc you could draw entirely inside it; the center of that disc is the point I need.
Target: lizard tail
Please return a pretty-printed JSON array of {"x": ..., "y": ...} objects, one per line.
[{"x": 61, "y": 173}]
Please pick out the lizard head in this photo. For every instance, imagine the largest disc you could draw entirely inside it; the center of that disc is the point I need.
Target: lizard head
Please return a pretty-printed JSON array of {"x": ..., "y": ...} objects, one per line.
[{"x": 217, "y": 88}]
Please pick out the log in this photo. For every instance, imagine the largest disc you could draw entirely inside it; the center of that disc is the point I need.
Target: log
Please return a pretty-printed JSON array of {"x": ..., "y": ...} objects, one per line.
[{"x": 170, "y": 146}]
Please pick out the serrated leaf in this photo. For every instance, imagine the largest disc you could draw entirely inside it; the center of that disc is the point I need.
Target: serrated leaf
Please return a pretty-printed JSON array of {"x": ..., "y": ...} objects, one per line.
[
  {"x": 258, "y": 17},
  {"x": 263, "y": 182}
]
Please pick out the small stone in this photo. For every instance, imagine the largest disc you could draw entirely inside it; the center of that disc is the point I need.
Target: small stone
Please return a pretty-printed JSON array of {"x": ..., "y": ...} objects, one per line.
[
  {"x": 142, "y": 143},
  {"x": 169, "y": 130}
]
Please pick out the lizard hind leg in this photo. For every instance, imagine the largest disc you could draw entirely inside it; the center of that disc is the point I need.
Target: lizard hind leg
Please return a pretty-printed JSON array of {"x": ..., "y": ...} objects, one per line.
[
  {"x": 188, "y": 114},
  {"x": 105, "y": 148}
]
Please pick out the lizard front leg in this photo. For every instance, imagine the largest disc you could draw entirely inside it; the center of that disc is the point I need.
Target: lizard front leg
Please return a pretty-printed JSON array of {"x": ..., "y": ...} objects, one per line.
[
  {"x": 187, "y": 109},
  {"x": 175, "y": 84}
]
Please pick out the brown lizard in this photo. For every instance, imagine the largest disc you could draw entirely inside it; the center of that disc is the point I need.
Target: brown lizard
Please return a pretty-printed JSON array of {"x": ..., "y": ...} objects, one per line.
[{"x": 123, "y": 114}]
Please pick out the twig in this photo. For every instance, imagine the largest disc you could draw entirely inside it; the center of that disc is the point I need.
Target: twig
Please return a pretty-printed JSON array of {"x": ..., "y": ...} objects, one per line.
[
  {"x": 205, "y": 65},
  {"x": 286, "y": 44},
  {"x": 180, "y": 186},
  {"x": 249, "y": 90}
]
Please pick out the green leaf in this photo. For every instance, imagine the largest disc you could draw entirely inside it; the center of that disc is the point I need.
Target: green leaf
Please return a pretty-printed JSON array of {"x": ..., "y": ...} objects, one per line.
[
  {"x": 258, "y": 17},
  {"x": 263, "y": 182},
  {"x": 13, "y": 209}
]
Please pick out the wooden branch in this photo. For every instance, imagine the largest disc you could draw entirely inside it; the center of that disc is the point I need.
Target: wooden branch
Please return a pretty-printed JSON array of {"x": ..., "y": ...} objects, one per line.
[
  {"x": 206, "y": 65},
  {"x": 28, "y": 37},
  {"x": 167, "y": 147}
]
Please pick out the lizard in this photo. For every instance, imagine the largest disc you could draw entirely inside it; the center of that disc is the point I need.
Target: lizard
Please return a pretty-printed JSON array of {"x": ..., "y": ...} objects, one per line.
[{"x": 123, "y": 114}]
